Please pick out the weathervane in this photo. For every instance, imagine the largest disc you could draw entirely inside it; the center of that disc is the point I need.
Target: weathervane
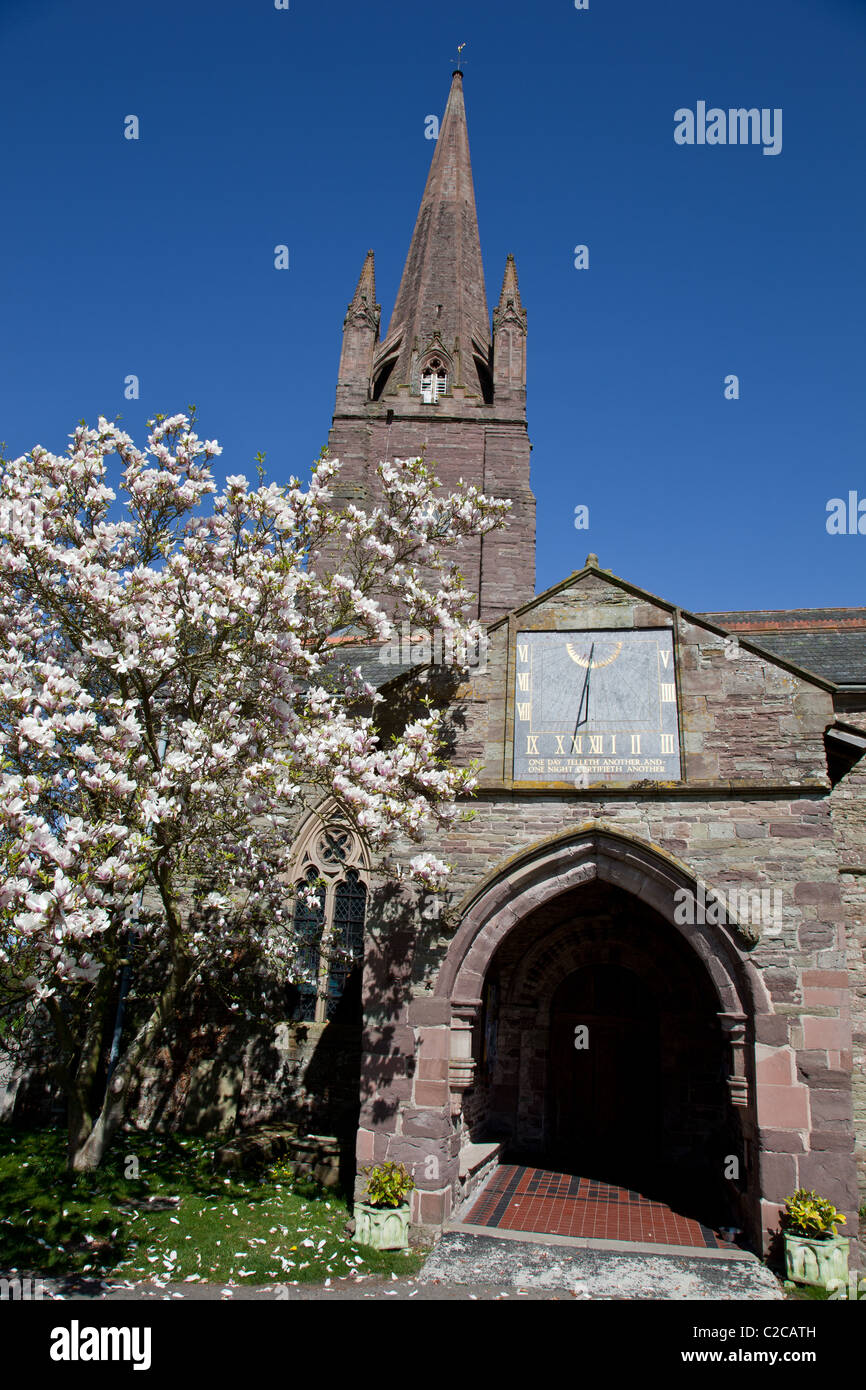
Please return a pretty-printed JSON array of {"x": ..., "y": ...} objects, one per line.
[{"x": 460, "y": 48}]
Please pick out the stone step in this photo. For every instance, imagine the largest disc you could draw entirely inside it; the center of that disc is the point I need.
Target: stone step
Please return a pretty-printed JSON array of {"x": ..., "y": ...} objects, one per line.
[
  {"x": 477, "y": 1162},
  {"x": 256, "y": 1147},
  {"x": 313, "y": 1155},
  {"x": 545, "y": 1262},
  {"x": 475, "y": 1157}
]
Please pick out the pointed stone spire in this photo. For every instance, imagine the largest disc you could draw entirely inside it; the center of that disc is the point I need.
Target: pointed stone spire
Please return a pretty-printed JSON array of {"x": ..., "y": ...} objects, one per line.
[
  {"x": 509, "y": 341},
  {"x": 360, "y": 336},
  {"x": 510, "y": 293},
  {"x": 441, "y": 306},
  {"x": 365, "y": 294},
  {"x": 436, "y": 383}
]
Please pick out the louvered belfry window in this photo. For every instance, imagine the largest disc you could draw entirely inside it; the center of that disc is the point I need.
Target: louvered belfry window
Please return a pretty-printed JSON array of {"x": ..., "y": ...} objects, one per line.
[{"x": 434, "y": 381}]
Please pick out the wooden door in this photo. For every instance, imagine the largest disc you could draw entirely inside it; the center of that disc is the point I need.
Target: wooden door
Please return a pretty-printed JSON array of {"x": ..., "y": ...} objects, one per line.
[{"x": 604, "y": 1072}]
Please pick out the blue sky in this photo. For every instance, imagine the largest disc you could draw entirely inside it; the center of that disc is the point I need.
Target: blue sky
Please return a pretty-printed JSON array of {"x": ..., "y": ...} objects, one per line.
[{"x": 306, "y": 127}]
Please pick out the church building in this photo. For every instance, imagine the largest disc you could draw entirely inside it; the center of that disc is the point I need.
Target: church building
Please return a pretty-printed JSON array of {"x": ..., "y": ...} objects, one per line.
[{"x": 650, "y": 957}]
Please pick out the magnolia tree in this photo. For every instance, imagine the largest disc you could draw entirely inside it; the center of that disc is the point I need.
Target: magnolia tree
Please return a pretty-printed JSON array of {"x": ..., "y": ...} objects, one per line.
[{"x": 169, "y": 693}]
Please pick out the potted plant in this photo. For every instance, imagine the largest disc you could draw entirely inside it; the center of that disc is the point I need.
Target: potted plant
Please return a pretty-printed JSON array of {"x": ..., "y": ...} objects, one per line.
[
  {"x": 382, "y": 1217},
  {"x": 814, "y": 1254}
]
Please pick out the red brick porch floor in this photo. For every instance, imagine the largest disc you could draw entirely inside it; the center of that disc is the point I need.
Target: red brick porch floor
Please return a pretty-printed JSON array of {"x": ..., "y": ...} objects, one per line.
[{"x": 531, "y": 1199}]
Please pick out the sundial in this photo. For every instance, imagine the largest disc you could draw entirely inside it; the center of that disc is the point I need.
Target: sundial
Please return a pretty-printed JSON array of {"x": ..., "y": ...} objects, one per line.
[{"x": 597, "y": 705}]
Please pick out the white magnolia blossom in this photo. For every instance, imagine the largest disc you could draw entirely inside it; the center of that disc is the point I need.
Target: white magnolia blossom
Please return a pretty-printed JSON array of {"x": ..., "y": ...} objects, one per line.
[{"x": 168, "y": 690}]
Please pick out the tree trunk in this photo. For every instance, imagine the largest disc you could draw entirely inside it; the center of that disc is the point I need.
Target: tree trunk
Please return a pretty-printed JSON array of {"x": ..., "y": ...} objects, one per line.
[
  {"x": 79, "y": 1123},
  {"x": 92, "y": 1143},
  {"x": 90, "y": 1147}
]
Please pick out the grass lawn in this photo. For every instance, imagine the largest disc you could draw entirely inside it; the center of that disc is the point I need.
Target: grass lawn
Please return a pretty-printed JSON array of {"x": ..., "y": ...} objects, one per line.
[{"x": 247, "y": 1229}]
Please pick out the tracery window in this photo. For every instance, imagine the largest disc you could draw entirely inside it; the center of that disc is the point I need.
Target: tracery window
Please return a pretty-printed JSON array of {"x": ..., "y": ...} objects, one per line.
[
  {"x": 332, "y": 953},
  {"x": 434, "y": 381}
]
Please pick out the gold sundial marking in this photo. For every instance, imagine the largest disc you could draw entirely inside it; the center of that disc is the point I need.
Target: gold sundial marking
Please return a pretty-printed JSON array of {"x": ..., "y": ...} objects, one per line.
[{"x": 585, "y": 662}]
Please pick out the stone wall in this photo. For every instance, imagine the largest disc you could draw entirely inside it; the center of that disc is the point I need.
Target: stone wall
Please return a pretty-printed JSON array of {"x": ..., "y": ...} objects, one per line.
[
  {"x": 222, "y": 1079},
  {"x": 463, "y": 441},
  {"x": 849, "y": 821}
]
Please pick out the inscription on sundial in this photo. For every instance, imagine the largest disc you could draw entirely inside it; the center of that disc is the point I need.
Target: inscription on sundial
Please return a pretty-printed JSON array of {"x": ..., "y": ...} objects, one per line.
[{"x": 596, "y": 706}]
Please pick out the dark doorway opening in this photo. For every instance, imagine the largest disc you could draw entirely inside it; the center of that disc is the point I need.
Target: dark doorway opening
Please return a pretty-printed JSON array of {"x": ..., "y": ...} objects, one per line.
[
  {"x": 600, "y": 1053},
  {"x": 604, "y": 1073}
]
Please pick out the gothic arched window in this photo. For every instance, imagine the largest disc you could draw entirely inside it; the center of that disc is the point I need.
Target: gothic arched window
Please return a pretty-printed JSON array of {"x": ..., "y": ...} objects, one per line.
[
  {"x": 347, "y": 934},
  {"x": 309, "y": 922},
  {"x": 434, "y": 381},
  {"x": 331, "y": 935}
]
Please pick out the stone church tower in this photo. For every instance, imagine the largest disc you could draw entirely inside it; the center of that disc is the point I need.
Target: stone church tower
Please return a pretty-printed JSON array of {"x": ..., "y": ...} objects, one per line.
[{"x": 438, "y": 382}]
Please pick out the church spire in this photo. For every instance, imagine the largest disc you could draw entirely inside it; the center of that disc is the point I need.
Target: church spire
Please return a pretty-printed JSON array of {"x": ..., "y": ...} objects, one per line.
[
  {"x": 438, "y": 384},
  {"x": 441, "y": 309}
]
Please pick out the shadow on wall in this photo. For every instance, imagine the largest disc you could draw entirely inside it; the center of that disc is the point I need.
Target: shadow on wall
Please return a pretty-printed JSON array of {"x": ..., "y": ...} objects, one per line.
[
  {"x": 395, "y": 937},
  {"x": 229, "y": 1079}
]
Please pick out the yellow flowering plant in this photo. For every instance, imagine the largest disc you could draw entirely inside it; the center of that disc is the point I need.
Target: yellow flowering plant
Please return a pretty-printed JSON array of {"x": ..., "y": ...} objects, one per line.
[
  {"x": 387, "y": 1184},
  {"x": 807, "y": 1214}
]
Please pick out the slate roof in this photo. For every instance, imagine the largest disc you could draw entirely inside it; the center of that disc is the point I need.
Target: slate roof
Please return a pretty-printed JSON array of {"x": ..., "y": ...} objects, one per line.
[
  {"x": 830, "y": 642},
  {"x": 368, "y": 658}
]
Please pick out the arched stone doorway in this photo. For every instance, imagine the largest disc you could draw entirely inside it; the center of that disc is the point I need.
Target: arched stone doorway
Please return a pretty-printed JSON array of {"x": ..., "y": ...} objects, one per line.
[
  {"x": 602, "y": 1054},
  {"x": 582, "y": 932}
]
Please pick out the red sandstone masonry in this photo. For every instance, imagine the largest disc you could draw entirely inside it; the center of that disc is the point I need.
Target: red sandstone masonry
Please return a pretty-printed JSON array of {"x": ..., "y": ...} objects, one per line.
[{"x": 826, "y": 979}]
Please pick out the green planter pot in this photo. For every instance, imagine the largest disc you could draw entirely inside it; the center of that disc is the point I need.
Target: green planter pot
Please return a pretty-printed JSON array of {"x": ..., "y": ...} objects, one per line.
[
  {"x": 816, "y": 1260},
  {"x": 384, "y": 1228}
]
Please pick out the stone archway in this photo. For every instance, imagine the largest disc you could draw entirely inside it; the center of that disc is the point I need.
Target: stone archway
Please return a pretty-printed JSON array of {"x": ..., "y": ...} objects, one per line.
[{"x": 558, "y": 869}]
